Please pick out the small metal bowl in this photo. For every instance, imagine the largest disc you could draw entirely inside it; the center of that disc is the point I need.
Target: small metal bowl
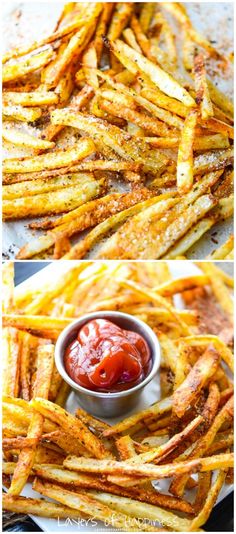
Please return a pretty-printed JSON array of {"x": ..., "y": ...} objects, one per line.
[{"x": 100, "y": 403}]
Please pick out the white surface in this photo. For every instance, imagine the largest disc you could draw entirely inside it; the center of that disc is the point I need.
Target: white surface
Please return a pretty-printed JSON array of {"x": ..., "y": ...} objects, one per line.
[
  {"x": 213, "y": 19},
  {"x": 150, "y": 394}
]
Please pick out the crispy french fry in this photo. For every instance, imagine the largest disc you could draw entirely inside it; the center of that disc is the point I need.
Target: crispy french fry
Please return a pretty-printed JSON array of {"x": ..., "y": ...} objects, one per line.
[
  {"x": 8, "y": 287},
  {"x": 29, "y": 141},
  {"x": 221, "y": 252},
  {"x": 19, "y": 113},
  {"x": 214, "y": 491},
  {"x": 14, "y": 71},
  {"x": 11, "y": 362},
  {"x": 202, "y": 93},
  {"x": 60, "y": 158},
  {"x": 88, "y": 505},
  {"x": 164, "y": 81},
  {"x": 57, "y": 201},
  {"x": 36, "y": 98},
  {"x": 39, "y": 507},
  {"x": 27, "y": 455},
  {"x": 185, "y": 154},
  {"x": 186, "y": 393},
  {"x": 152, "y": 471},
  {"x": 71, "y": 424}
]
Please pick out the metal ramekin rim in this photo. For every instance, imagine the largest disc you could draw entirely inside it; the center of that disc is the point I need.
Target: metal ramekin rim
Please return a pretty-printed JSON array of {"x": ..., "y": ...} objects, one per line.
[{"x": 115, "y": 314}]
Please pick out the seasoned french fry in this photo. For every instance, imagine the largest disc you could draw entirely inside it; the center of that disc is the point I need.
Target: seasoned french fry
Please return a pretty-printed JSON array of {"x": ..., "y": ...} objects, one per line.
[
  {"x": 90, "y": 506},
  {"x": 201, "y": 87},
  {"x": 185, "y": 154},
  {"x": 61, "y": 158},
  {"x": 186, "y": 393},
  {"x": 37, "y": 98},
  {"x": 70, "y": 423},
  {"x": 165, "y": 82},
  {"x": 20, "y": 113},
  {"x": 17, "y": 70},
  {"x": 29, "y": 141},
  {"x": 11, "y": 362},
  {"x": 27, "y": 455},
  {"x": 39, "y": 507},
  {"x": 8, "y": 287},
  {"x": 57, "y": 201}
]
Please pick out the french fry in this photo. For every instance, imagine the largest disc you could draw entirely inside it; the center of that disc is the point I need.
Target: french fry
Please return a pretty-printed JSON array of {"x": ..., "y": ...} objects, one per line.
[
  {"x": 88, "y": 505},
  {"x": 57, "y": 201},
  {"x": 185, "y": 154},
  {"x": 186, "y": 393},
  {"x": 202, "y": 93},
  {"x": 221, "y": 461},
  {"x": 156, "y": 409},
  {"x": 164, "y": 81},
  {"x": 29, "y": 141},
  {"x": 79, "y": 251},
  {"x": 146, "y": 511},
  {"x": 219, "y": 290},
  {"x": 214, "y": 491},
  {"x": 27, "y": 455},
  {"x": 14, "y": 71},
  {"x": 70, "y": 424},
  {"x": 110, "y": 135},
  {"x": 119, "y": 20},
  {"x": 19, "y": 113},
  {"x": 11, "y": 362},
  {"x": 8, "y": 287},
  {"x": 39, "y": 186},
  {"x": 39, "y": 507},
  {"x": 61, "y": 158},
  {"x": 37, "y": 98},
  {"x": 221, "y": 252},
  {"x": 63, "y": 476}
]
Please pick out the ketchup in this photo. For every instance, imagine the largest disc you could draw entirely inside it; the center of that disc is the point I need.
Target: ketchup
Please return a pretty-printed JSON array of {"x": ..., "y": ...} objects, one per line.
[{"x": 104, "y": 357}]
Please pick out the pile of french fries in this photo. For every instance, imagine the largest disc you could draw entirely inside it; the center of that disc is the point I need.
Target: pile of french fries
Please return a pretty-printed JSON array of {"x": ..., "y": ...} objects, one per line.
[
  {"x": 118, "y": 93},
  {"x": 93, "y": 469}
]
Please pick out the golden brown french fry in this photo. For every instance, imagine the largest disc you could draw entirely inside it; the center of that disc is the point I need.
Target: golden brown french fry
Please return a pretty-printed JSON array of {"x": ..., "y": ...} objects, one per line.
[
  {"x": 201, "y": 87},
  {"x": 203, "y": 369},
  {"x": 36, "y": 98},
  {"x": 39, "y": 507},
  {"x": 185, "y": 154},
  {"x": 14, "y": 71},
  {"x": 27, "y": 455},
  {"x": 145, "y": 511},
  {"x": 70, "y": 424},
  {"x": 39, "y": 186},
  {"x": 61, "y": 158},
  {"x": 219, "y": 290},
  {"x": 63, "y": 476},
  {"x": 57, "y": 201},
  {"x": 119, "y": 19},
  {"x": 221, "y": 252},
  {"x": 88, "y": 505},
  {"x": 11, "y": 362},
  {"x": 158, "y": 408},
  {"x": 210, "y": 500},
  {"x": 111, "y": 136},
  {"x": 164, "y": 81},
  {"x": 8, "y": 287},
  {"x": 25, "y": 140},
  {"x": 152, "y": 471},
  {"x": 19, "y": 113}
]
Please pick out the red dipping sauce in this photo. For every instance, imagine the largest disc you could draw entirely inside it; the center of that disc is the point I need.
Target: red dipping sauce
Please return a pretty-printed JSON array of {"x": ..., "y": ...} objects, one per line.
[{"x": 106, "y": 358}]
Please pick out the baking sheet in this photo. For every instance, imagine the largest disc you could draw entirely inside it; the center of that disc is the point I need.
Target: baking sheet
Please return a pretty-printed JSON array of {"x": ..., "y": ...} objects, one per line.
[
  {"x": 24, "y": 22},
  {"x": 150, "y": 394}
]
